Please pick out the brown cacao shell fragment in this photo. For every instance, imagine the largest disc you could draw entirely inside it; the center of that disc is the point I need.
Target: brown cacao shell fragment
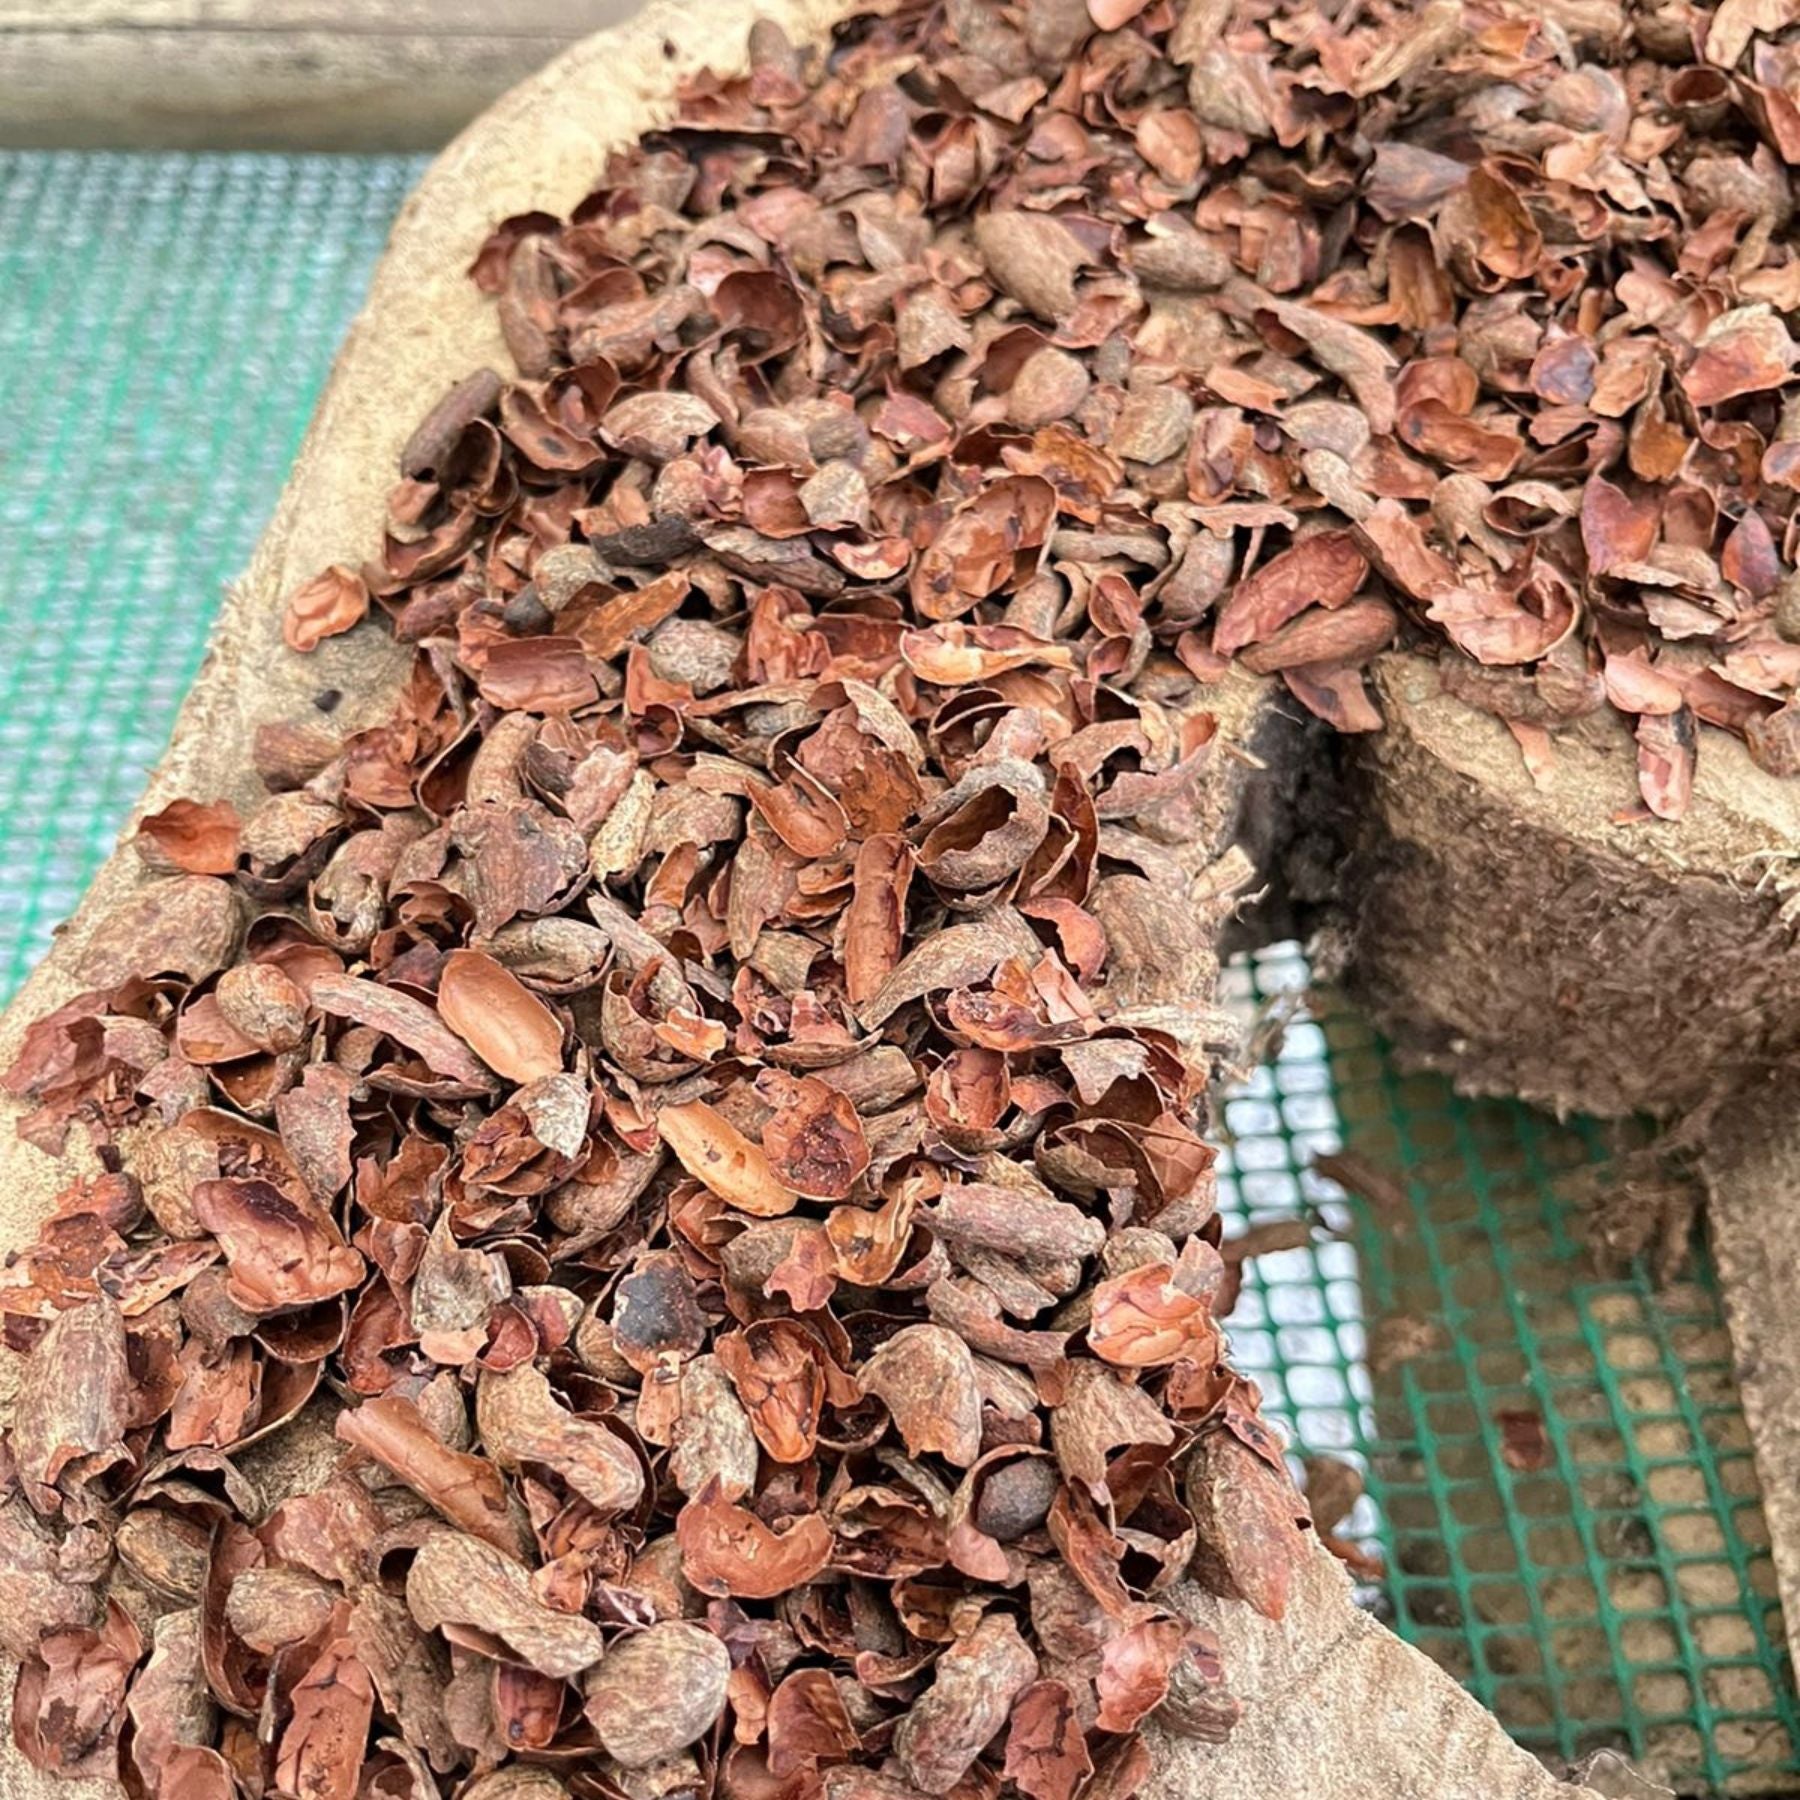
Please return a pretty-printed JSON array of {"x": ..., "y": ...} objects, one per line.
[
  {"x": 467, "y": 1490},
  {"x": 1014, "y": 1221},
  {"x": 273, "y": 1607},
  {"x": 186, "y": 925},
  {"x": 510, "y": 1029},
  {"x": 521, "y": 1420},
  {"x": 36, "y": 1595},
  {"x": 69, "y": 1696},
  {"x": 714, "y": 1441},
  {"x": 657, "y": 1691},
  {"x": 73, "y": 1403},
  {"x": 280, "y": 1252},
  {"x": 925, "y": 1377},
  {"x": 1245, "y": 1512},
  {"x": 971, "y": 1696},
  {"x": 458, "y": 1580}
]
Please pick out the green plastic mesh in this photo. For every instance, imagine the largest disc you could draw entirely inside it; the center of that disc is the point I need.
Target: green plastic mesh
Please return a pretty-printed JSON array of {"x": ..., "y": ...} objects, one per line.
[
  {"x": 1617, "y": 1590},
  {"x": 167, "y": 324}
]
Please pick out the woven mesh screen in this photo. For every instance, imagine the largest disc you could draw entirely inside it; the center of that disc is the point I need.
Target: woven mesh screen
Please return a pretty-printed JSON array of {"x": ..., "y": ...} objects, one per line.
[
  {"x": 167, "y": 324},
  {"x": 1559, "y": 1486}
]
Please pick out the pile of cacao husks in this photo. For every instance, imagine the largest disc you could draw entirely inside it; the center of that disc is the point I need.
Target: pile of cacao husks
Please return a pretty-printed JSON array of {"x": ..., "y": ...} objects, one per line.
[{"x": 664, "y": 1095}]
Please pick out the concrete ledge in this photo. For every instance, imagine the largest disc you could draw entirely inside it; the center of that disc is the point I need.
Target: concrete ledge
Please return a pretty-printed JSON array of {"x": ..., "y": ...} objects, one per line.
[{"x": 270, "y": 74}]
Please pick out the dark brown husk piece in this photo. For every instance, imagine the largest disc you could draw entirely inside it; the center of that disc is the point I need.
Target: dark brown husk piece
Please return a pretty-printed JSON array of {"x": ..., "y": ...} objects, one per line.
[{"x": 663, "y": 1086}]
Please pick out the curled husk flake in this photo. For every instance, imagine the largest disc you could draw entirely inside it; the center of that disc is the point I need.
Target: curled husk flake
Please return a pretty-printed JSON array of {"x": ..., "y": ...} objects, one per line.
[
  {"x": 521, "y": 1420},
  {"x": 925, "y": 1376},
  {"x": 323, "y": 606},
  {"x": 727, "y": 1550},
  {"x": 465, "y": 1583},
  {"x": 69, "y": 1696},
  {"x": 321, "y": 1750},
  {"x": 281, "y": 1251},
  {"x": 1046, "y": 1747},
  {"x": 501, "y": 1020},
  {"x": 467, "y": 1490},
  {"x": 973, "y": 1687},
  {"x": 73, "y": 1404},
  {"x": 1246, "y": 1511},
  {"x": 814, "y": 1140},
  {"x": 715, "y": 1152}
]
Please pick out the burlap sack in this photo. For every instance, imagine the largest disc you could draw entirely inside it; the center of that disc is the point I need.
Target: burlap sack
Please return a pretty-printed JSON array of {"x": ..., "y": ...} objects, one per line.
[{"x": 1336, "y": 1708}]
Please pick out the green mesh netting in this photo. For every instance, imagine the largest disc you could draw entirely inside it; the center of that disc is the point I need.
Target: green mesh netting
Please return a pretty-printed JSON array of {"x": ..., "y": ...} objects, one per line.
[
  {"x": 167, "y": 324},
  {"x": 165, "y": 327},
  {"x": 1616, "y": 1590}
]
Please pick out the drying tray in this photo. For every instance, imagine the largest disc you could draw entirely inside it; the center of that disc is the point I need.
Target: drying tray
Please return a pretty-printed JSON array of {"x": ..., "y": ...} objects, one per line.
[{"x": 169, "y": 322}]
